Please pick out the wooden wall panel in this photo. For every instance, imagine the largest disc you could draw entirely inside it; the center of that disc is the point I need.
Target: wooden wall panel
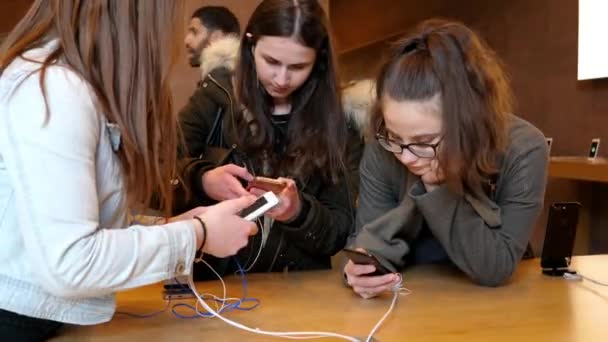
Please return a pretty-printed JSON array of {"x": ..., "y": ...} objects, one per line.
[
  {"x": 358, "y": 23},
  {"x": 10, "y": 14},
  {"x": 538, "y": 41}
]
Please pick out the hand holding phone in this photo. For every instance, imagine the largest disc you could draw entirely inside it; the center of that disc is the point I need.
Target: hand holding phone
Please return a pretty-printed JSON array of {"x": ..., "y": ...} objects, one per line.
[
  {"x": 226, "y": 232},
  {"x": 224, "y": 182},
  {"x": 365, "y": 282},
  {"x": 289, "y": 196},
  {"x": 365, "y": 258}
]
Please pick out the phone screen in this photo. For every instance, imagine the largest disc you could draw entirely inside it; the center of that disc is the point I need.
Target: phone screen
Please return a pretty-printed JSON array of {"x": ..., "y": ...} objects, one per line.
[
  {"x": 260, "y": 202},
  {"x": 560, "y": 235},
  {"x": 593, "y": 149}
]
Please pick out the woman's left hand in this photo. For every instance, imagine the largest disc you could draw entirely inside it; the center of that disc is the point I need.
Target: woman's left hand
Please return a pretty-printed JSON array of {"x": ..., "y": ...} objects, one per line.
[{"x": 290, "y": 202}]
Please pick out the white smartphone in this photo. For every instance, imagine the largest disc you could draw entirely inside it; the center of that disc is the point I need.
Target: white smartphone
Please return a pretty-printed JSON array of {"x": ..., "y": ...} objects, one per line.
[
  {"x": 264, "y": 203},
  {"x": 549, "y": 143},
  {"x": 594, "y": 148}
]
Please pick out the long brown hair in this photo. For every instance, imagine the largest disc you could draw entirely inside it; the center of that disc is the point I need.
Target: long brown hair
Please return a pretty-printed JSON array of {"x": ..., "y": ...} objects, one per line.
[
  {"x": 447, "y": 58},
  {"x": 317, "y": 131},
  {"x": 125, "y": 50}
]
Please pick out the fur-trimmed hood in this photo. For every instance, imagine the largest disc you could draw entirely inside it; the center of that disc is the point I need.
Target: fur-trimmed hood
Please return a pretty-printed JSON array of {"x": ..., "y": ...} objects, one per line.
[
  {"x": 358, "y": 98},
  {"x": 222, "y": 53}
]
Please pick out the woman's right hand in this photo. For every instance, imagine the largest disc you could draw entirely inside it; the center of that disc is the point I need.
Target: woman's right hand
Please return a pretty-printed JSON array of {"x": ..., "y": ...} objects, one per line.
[
  {"x": 222, "y": 183},
  {"x": 227, "y": 232},
  {"x": 434, "y": 177},
  {"x": 368, "y": 286}
]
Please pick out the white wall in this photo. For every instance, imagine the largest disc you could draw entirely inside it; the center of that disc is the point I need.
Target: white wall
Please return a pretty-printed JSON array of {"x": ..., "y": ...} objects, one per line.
[{"x": 592, "y": 39}]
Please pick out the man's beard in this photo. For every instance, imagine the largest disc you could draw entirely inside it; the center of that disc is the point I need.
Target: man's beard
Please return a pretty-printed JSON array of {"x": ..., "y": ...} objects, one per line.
[{"x": 195, "y": 60}]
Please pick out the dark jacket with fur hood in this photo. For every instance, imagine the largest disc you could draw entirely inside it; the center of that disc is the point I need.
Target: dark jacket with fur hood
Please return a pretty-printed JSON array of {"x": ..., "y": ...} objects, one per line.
[{"x": 323, "y": 228}]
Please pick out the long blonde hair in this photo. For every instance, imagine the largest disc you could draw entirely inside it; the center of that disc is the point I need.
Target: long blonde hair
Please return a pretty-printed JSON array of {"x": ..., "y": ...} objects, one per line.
[{"x": 125, "y": 50}]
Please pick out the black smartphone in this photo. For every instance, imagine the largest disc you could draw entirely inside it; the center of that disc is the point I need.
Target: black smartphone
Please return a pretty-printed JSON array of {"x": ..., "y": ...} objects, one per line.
[
  {"x": 183, "y": 293},
  {"x": 365, "y": 258},
  {"x": 594, "y": 148},
  {"x": 559, "y": 237},
  {"x": 176, "y": 289}
]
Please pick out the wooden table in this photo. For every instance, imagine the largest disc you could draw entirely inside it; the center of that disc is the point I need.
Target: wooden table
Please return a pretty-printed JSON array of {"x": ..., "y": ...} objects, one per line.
[
  {"x": 444, "y": 306},
  {"x": 579, "y": 168}
]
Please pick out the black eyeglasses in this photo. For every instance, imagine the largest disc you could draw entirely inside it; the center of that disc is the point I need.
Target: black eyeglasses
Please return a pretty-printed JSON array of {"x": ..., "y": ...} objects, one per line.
[{"x": 420, "y": 150}]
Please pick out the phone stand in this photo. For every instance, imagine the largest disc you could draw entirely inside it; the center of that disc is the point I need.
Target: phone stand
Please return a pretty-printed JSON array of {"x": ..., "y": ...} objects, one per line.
[
  {"x": 557, "y": 272},
  {"x": 558, "y": 269}
]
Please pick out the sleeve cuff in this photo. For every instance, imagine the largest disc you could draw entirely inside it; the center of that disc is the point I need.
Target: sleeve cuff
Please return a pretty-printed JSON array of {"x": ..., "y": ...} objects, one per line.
[
  {"x": 437, "y": 198},
  {"x": 417, "y": 190},
  {"x": 197, "y": 178},
  {"x": 302, "y": 216},
  {"x": 182, "y": 239}
]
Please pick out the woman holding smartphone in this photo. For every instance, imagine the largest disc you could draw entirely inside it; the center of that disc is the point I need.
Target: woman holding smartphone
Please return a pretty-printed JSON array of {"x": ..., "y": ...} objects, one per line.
[
  {"x": 450, "y": 176},
  {"x": 86, "y": 133},
  {"x": 288, "y": 125}
]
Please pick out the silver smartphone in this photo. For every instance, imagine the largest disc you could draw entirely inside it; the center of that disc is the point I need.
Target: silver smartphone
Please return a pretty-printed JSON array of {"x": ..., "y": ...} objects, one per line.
[{"x": 549, "y": 143}]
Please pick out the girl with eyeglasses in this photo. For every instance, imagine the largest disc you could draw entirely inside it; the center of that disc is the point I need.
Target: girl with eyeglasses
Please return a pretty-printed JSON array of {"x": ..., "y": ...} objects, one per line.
[{"x": 451, "y": 176}]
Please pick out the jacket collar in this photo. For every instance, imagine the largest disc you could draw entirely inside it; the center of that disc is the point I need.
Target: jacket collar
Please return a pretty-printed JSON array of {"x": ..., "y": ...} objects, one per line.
[
  {"x": 358, "y": 99},
  {"x": 222, "y": 53}
]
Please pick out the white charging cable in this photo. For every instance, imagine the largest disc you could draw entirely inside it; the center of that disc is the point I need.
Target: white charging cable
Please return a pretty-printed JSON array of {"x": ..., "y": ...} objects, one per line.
[
  {"x": 299, "y": 334},
  {"x": 397, "y": 290},
  {"x": 579, "y": 277},
  {"x": 262, "y": 243},
  {"x": 217, "y": 300}
]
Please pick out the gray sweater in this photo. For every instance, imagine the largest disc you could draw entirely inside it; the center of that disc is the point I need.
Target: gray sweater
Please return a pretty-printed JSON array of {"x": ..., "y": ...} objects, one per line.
[{"x": 485, "y": 237}]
